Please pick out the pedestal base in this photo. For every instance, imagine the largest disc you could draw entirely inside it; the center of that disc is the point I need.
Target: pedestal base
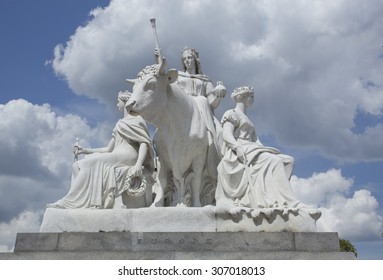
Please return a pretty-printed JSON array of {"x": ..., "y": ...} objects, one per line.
[
  {"x": 177, "y": 245},
  {"x": 175, "y": 233}
]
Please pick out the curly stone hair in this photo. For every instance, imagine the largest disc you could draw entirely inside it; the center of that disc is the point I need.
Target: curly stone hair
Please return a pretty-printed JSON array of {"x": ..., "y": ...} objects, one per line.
[{"x": 124, "y": 96}]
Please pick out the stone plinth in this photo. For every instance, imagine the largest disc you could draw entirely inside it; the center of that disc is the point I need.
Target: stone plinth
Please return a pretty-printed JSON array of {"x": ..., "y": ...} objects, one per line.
[
  {"x": 170, "y": 219},
  {"x": 174, "y": 233},
  {"x": 177, "y": 245}
]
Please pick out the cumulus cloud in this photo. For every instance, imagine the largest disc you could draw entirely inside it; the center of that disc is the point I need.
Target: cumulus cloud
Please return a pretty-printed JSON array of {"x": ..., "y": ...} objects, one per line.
[
  {"x": 36, "y": 148},
  {"x": 354, "y": 215},
  {"x": 25, "y": 222},
  {"x": 314, "y": 64}
]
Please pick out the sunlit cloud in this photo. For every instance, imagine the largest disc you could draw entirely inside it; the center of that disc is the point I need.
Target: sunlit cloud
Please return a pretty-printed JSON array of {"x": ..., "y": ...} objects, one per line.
[
  {"x": 353, "y": 214},
  {"x": 311, "y": 66}
]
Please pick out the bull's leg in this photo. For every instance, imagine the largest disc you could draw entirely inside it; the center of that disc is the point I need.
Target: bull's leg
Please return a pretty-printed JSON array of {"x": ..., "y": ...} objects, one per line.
[
  {"x": 180, "y": 190},
  {"x": 160, "y": 185},
  {"x": 198, "y": 166}
]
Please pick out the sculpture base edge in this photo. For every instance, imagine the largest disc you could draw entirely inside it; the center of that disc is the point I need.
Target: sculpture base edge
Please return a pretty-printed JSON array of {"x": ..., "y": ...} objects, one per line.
[{"x": 171, "y": 219}]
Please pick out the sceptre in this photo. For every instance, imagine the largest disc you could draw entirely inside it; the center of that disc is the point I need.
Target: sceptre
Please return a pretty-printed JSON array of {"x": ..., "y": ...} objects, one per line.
[{"x": 153, "y": 22}]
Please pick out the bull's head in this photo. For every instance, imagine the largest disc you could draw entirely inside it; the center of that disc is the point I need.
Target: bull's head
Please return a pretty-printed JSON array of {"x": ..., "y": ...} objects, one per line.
[{"x": 150, "y": 92}]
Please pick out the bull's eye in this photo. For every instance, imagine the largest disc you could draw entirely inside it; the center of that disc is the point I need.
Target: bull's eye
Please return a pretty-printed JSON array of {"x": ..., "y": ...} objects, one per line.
[{"x": 150, "y": 86}]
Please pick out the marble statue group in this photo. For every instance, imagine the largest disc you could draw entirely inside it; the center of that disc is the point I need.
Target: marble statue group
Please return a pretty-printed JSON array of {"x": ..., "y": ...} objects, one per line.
[{"x": 194, "y": 159}]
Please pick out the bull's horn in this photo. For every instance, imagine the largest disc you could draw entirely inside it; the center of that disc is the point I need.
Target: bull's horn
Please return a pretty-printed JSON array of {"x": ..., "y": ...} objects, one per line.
[{"x": 132, "y": 81}]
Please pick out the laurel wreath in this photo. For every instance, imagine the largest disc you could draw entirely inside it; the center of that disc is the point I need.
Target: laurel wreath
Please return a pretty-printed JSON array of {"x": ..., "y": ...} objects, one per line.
[{"x": 135, "y": 185}]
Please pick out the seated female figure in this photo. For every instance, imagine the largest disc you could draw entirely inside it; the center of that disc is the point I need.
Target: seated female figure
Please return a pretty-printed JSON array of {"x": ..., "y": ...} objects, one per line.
[
  {"x": 251, "y": 175},
  {"x": 125, "y": 166}
]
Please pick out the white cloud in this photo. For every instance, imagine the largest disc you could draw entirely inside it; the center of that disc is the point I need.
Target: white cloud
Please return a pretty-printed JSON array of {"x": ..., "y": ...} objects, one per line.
[
  {"x": 318, "y": 188},
  {"x": 313, "y": 64},
  {"x": 36, "y": 148},
  {"x": 354, "y": 216},
  {"x": 25, "y": 222}
]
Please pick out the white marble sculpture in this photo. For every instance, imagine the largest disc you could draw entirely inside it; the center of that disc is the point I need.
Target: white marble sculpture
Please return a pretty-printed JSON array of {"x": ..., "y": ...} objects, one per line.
[
  {"x": 121, "y": 170},
  {"x": 253, "y": 178},
  {"x": 200, "y": 162},
  {"x": 185, "y": 151},
  {"x": 185, "y": 140}
]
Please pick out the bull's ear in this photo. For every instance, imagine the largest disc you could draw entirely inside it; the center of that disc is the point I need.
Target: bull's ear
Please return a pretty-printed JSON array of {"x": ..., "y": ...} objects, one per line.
[{"x": 172, "y": 75}]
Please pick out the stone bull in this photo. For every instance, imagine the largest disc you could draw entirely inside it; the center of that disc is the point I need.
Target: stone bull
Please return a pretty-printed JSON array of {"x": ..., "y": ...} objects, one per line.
[{"x": 185, "y": 139}]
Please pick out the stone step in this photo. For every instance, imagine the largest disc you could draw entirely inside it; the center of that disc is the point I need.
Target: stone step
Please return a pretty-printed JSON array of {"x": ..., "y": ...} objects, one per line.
[{"x": 176, "y": 255}]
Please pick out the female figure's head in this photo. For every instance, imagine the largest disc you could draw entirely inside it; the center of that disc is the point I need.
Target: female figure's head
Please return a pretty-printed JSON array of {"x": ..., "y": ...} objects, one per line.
[
  {"x": 243, "y": 95},
  {"x": 123, "y": 97},
  {"x": 190, "y": 61}
]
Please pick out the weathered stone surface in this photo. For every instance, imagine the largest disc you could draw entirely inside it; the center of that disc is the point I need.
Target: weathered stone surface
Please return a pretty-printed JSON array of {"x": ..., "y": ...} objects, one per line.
[
  {"x": 264, "y": 255},
  {"x": 100, "y": 241},
  {"x": 213, "y": 241},
  {"x": 89, "y": 255},
  {"x": 170, "y": 219},
  {"x": 29, "y": 242},
  {"x": 177, "y": 255},
  {"x": 308, "y": 241},
  {"x": 177, "y": 245},
  {"x": 173, "y": 219}
]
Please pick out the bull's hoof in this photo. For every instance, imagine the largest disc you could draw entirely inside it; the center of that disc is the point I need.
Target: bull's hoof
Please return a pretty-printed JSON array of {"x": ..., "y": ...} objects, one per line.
[
  {"x": 159, "y": 203},
  {"x": 181, "y": 204}
]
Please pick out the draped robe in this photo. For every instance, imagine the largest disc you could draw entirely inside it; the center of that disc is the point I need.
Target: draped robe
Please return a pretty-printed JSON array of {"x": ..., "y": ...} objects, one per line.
[{"x": 99, "y": 177}]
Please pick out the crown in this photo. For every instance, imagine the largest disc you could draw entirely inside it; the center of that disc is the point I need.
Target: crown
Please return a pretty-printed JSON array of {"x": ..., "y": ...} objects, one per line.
[
  {"x": 193, "y": 51},
  {"x": 242, "y": 91}
]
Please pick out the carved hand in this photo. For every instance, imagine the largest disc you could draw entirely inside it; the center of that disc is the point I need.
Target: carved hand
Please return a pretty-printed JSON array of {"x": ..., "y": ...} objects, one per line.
[
  {"x": 136, "y": 171},
  {"x": 76, "y": 149},
  {"x": 220, "y": 90},
  {"x": 157, "y": 55},
  {"x": 80, "y": 150},
  {"x": 240, "y": 154}
]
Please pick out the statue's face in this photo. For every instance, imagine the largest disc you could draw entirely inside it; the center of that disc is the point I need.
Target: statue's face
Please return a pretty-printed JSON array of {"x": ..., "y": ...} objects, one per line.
[
  {"x": 249, "y": 100},
  {"x": 188, "y": 60}
]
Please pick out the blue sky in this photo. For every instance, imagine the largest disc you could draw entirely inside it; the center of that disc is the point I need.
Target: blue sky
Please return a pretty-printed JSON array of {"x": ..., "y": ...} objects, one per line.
[{"x": 316, "y": 68}]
